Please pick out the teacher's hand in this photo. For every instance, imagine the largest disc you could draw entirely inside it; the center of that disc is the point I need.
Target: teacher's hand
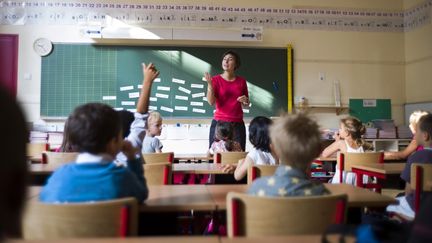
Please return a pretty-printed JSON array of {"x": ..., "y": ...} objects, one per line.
[
  {"x": 208, "y": 78},
  {"x": 243, "y": 99}
]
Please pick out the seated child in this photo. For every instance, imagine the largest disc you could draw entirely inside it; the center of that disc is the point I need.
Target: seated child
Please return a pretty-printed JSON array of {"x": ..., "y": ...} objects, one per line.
[
  {"x": 151, "y": 143},
  {"x": 423, "y": 137},
  {"x": 297, "y": 142},
  {"x": 95, "y": 130},
  {"x": 66, "y": 146},
  {"x": 412, "y": 146},
  {"x": 348, "y": 140},
  {"x": 260, "y": 154},
  {"x": 223, "y": 141}
]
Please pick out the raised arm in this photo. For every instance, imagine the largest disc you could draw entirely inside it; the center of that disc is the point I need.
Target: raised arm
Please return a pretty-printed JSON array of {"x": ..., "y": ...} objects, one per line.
[{"x": 150, "y": 73}]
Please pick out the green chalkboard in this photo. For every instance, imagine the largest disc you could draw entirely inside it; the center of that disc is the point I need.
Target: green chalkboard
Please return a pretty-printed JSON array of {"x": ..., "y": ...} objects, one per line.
[
  {"x": 372, "y": 110},
  {"x": 74, "y": 74}
]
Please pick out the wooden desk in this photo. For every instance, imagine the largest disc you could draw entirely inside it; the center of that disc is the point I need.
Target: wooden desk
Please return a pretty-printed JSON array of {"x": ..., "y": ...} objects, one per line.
[
  {"x": 357, "y": 197},
  {"x": 177, "y": 239},
  {"x": 192, "y": 157},
  {"x": 381, "y": 171},
  {"x": 174, "y": 198},
  {"x": 42, "y": 169},
  {"x": 198, "y": 168},
  {"x": 178, "y": 198}
]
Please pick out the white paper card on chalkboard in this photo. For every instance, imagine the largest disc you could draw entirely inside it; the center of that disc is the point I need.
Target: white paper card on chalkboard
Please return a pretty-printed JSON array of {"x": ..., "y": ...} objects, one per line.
[
  {"x": 197, "y": 95},
  {"x": 132, "y": 110},
  {"x": 117, "y": 109},
  {"x": 179, "y": 81},
  {"x": 164, "y": 88},
  {"x": 205, "y": 99},
  {"x": 167, "y": 109},
  {"x": 128, "y": 102},
  {"x": 196, "y": 110},
  {"x": 180, "y": 108},
  {"x": 197, "y": 86},
  {"x": 181, "y": 97},
  {"x": 153, "y": 99},
  {"x": 370, "y": 103},
  {"x": 157, "y": 80},
  {"x": 139, "y": 86},
  {"x": 124, "y": 88},
  {"x": 245, "y": 110},
  {"x": 153, "y": 108},
  {"x": 204, "y": 79},
  {"x": 163, "y": 96},
  {"x": 182, "y": 89},
  {"x": 134, "y": 95},
  {"x": 109, "y": 97},
  {"x": 193, "y": 103}
]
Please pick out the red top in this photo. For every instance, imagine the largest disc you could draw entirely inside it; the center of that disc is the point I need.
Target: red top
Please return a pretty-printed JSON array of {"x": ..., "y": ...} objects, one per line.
[{"x": 226, "y": 92}]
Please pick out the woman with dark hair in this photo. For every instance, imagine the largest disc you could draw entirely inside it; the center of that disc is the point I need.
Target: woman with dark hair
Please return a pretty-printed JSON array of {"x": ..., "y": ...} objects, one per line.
[{"x": 229, "y": 93}]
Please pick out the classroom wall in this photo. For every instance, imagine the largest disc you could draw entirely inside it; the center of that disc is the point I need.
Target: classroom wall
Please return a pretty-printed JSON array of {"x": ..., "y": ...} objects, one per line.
[
  {"x": 367, "y": 64},
  {"x": 418, "y": 56}
]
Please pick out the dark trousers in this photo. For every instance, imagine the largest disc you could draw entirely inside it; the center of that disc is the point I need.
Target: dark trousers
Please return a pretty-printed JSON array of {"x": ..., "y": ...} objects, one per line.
[{"x": 239, "y": 133}]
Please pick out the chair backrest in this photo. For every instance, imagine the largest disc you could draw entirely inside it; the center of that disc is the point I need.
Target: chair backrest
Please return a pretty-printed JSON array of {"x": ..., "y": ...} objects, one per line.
[
  {"x": 421, "y": 181},
  {"x": 158, "y": 173},
  {"x": 36, "y": 149},
  {"x": 113, "y": 218},
  {"x": 229, "y": 157},
  {"x": 345, "y": 161},
  {"x": 151, "y": 158},
  {"x": 58, "y": 158},
  {"x": 256, "y": 171},
  {"x": 253, "y": 216}
]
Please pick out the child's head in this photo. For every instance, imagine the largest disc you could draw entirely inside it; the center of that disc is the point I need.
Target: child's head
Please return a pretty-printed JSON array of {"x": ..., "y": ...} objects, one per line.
[
  {"x": 224, "y": 131},
  {"x": 423, "y": 135},
  {"x": 259, "y": 133},
  {"x": 13, "y": 166},
  {"x": 296, "y": 140},
  {"x": 414, "y": 119},
  {"x": 126, "y": 118},
  {"x": 95, "y": 128},
  {"x": 154, "y": 124},
  {"x": 66, "y": 145},
  {"x": 351, "y": 127}
]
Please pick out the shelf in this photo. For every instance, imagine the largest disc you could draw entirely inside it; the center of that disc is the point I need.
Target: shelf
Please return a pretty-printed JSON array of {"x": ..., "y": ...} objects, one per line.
[{"x": 337, "y": 109}]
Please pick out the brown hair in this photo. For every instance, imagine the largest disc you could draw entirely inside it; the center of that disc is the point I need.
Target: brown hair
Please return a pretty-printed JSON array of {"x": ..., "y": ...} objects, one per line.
[
  {"x": 355, "y": 128},
  {"x": 236, "y": 58},
  {"x": 296, "y": 139},
  {"x": 225, "y": 131},
  {"x": 66, "y": 145}
]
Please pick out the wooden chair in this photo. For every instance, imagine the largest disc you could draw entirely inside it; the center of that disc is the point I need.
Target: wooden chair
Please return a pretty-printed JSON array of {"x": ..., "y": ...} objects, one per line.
[
  {"x": 152, "y": 158},
  {"x": 253, "y": 216},
  {"x": 229, "y": 157},
  {"x": 421, "y": 181},
  {"x": 58, "y": 158},
  {"x": 35, "y": 150},
  {"x": 256, "y": 171},
  {"x": 113, "y": 218},
  {"x": 158, "y": 173},
  {"x": 345, "y": 161}
]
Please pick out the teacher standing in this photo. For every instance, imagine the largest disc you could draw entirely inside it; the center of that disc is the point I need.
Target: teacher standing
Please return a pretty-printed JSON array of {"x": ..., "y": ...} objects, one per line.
[{"x": 230, "y": 94}]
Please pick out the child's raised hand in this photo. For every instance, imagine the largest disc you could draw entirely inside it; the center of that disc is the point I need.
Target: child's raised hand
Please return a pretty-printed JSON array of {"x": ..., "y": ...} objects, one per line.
[
  {"x": 129, "y": 150},
  {"x": 150, "y": 72}
]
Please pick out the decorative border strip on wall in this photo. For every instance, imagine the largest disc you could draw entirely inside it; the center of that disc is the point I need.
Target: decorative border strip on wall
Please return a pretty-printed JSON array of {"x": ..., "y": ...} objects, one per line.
[{"x": 70, "y": 13}]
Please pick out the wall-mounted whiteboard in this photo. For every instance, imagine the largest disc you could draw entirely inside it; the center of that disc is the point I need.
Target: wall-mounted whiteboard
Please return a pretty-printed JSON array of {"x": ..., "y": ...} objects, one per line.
[{"x": 410, "y": 107}]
